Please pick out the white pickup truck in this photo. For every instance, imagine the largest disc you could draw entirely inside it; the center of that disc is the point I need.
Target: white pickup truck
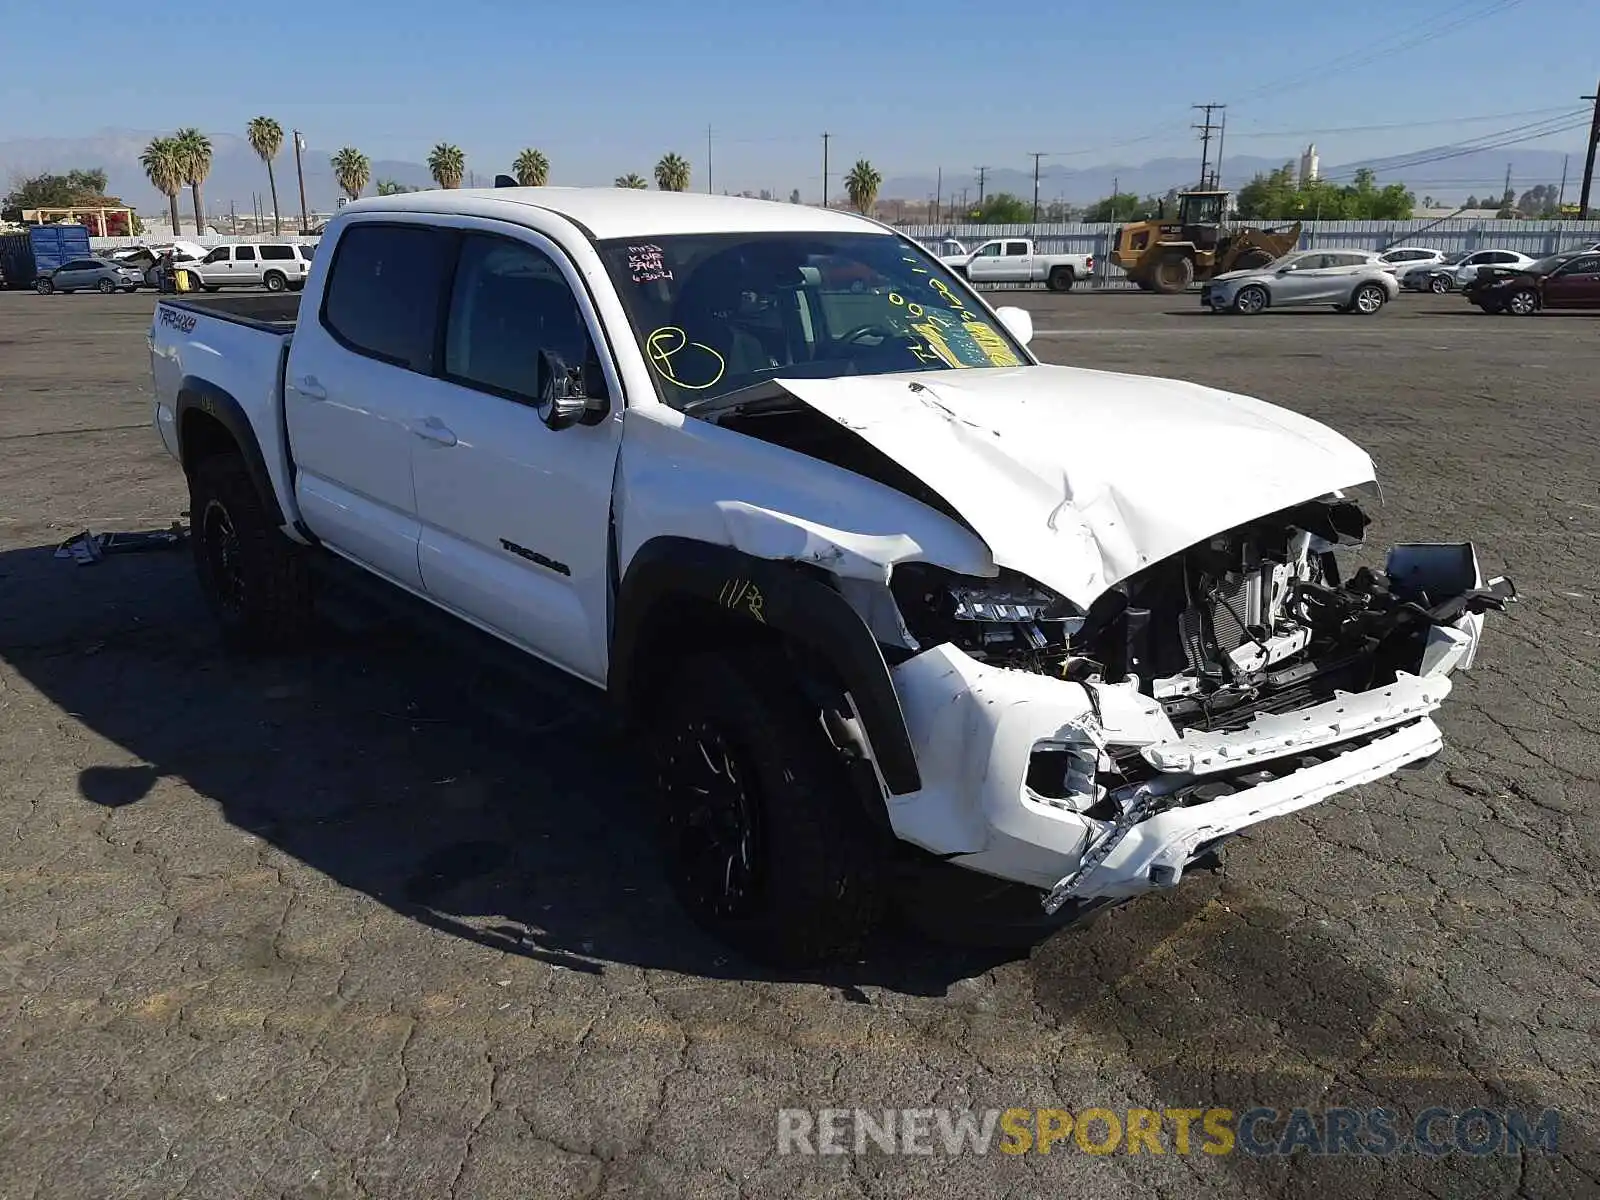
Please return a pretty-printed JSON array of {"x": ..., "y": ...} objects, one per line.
[
  {"x": 872, "y": 587},
  {"x": 1016, "y": 260}
]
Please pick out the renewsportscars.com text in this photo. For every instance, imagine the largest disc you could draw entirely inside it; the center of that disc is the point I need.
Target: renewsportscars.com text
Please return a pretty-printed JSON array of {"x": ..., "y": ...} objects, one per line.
[{"x": 1260, "y": 1132}]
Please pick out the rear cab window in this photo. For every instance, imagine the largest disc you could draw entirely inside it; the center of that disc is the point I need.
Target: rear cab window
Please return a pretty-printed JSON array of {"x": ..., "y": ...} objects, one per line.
[{"x": 385, "y": 290}]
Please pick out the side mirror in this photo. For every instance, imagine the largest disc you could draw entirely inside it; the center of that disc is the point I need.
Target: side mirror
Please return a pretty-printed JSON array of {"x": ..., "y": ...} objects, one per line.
[
  {"x": 1019, "y": 321},
  {"x": 570, "y": 395}
]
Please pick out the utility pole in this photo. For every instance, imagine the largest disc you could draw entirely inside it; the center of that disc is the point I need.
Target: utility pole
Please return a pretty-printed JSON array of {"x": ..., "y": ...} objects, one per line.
[
  {"x": 982, "y": 174},
  {"x": 938, "y": 194},
  {"x": 1036, "y": 157},
  {"x": 708, "y": 159},
  {"x": 1205, "y": 139},
  {"x": 825, "y": 138},
  {"x": 1588, "y": 166},
  {"x": 1561, "y": 196},
  {"x": 1222, "y": 140},
  {"x": 299, "y": 145},
  {"x": 1116, "y": 187},
  {"x": 1506, "y": 196}
]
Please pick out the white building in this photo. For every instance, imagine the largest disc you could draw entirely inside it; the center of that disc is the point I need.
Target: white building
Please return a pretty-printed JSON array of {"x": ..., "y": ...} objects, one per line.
[{"x": 1310, "y": 165}]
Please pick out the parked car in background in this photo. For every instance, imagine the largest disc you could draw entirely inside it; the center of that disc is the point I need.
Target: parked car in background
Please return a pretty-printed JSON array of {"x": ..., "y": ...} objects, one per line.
[
  {"x": 276, "y": 266},
  {"x": 1018, "y": 260},
  {"x": 1467, "y": 270},
  {"x": 1401, "y": 260},
  {"x": 83, "y": 274},
  {"x": 949, "y": 251},
  {"x": 1570, "y": 280},
  {"x": 1349, "y": 280}
]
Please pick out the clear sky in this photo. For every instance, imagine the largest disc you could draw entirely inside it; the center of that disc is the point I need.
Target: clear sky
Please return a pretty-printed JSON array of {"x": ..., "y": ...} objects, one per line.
[{"x": 606, "y": 86}]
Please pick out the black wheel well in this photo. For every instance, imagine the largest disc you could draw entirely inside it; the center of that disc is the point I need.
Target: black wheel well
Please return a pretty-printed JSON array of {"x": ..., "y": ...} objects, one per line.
[
  {"x": 680, "y": 624},
  {"x": 202, "y": 436}
]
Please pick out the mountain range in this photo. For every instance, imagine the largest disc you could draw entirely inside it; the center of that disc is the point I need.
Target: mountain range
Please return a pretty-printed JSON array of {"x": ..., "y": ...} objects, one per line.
[{"x": 238, "y": 178}]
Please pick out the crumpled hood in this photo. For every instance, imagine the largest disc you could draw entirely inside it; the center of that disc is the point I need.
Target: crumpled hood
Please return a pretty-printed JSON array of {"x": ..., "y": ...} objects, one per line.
[{"x": 1081, "y": 478}]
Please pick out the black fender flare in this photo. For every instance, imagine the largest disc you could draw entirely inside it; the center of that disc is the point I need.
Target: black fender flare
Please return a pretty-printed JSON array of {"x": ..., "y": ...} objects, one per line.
[
  {"x": 218, "y": 404},
  {"x": 780, "y": 597}
]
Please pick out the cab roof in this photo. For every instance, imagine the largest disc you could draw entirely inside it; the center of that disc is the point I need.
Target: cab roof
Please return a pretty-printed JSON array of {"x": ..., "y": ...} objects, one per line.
[{"x": 625, "y": 212}]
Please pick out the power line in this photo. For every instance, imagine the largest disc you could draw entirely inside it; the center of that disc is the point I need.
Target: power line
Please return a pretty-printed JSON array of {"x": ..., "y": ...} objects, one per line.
[
  {"x": 1529, "y": 132},
  {"x": 1505, "y": 116}
]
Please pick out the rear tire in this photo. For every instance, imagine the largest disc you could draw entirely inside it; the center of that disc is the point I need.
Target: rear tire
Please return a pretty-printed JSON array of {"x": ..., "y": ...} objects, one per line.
[
  {"x": 43, "y": 286},
  {"x": 1438, "y": 285},
  {"x": 105, "y": 287},
  {"x": 766, "y": 843},
  {"x": 1060, "y": 280},
  {"x": 1368, "y": 299},
  {"x": 275, "y": 281},
  {"x": 1173, "y": 273},
  {"x": 253, "y": 578}
]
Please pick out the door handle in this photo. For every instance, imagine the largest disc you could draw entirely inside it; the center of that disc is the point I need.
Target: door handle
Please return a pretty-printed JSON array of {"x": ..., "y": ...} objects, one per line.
[
  {"x": 310, "y": 388},
  {"x": 433, "y": 430}
]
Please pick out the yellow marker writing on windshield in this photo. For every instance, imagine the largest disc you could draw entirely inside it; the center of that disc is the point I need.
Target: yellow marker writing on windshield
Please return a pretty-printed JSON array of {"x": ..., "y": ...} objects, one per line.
[
  {"x": 668, "y": 342},
  {"x": 992, "y": 344}
]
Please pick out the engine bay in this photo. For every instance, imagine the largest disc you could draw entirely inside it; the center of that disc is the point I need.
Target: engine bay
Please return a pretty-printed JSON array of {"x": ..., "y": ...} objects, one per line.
[{"x": 1256, "y": 619}]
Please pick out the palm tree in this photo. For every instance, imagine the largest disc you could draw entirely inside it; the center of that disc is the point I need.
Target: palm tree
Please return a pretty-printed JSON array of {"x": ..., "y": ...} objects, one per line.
[
  {"x": 631, "y": 180},
  {"x": 531, "y": 168},
  {"x": 672, "y": 173},
  {"x": 194, "y": 151},
  {"x": 863, "y": 183},
  {"x": 447, "y": 165},
  {"x": 161, "y": 165},
  {"x": 351, "y": 170},
  {"x": 266, "y": 138}
]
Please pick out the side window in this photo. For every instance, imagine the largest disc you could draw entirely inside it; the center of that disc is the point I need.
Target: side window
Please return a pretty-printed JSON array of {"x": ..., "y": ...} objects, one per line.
[
  {"x": 383, "y": 293},
  {"x": 1016, "y": 249},
  {"x": 220, "y": 254},
  {"x": 989, "y": 250},
  {"x": 1581, "y": 266},
  {"x": 244, "y": 253},
  {"x": 1312, "y": 262},
  {"x": 276, "y": 253},
  {"x": 510, "y": 301},
  {"x": 77, "y": 264},
  {"x": 1504, "y": 256}
]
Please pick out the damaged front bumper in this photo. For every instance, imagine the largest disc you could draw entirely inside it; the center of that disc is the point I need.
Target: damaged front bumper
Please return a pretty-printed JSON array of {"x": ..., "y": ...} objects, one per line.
[{"x": 1088, "y": 792}]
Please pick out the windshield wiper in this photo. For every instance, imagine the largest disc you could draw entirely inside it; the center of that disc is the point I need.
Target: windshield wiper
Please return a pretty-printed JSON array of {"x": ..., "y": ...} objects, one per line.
[{"x": 766, "y": 396}]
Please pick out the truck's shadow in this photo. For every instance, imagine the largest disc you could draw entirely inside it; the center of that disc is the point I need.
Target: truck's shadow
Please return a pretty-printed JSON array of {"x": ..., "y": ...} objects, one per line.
[
  {"x": 509, "y": 822},
  {"x": 451, "y": 794}
]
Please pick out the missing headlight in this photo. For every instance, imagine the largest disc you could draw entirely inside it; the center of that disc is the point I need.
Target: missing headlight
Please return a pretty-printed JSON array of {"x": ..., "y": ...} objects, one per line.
[{"x": 1008, "y": 620}]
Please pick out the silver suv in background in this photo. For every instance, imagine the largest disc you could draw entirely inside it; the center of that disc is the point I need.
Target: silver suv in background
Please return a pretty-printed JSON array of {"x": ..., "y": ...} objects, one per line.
[
  {"x": 276, "y": 266},
  {"x": 1349, "y": 280}
]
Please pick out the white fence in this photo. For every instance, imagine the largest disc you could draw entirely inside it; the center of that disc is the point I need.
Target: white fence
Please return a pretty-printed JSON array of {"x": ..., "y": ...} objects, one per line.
[
  {"x": 207, "y": 240},
  {"x": 1536, "y": 238}
]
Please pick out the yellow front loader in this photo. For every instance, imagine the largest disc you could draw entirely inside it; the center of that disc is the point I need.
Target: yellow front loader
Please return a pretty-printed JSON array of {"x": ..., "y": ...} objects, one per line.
[{"x": 1167, "y": 256}]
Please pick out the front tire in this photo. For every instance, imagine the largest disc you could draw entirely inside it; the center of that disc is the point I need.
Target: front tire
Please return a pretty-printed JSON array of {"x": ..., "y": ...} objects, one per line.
[
  {"x": 1523, "y": 302},
  {"x": 766, "y": 843},
  {"x": 253, "y": 578},
  {"x": 1438, "y": 285},
  {"x": 43, "y": 286},
  {"x": 1060, "y": 280},
  {"x": 1250, "y": 300}
]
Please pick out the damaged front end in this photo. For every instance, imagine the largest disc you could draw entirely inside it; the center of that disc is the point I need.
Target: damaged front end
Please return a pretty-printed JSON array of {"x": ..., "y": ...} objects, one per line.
[{"x": 1098, "y": 753}]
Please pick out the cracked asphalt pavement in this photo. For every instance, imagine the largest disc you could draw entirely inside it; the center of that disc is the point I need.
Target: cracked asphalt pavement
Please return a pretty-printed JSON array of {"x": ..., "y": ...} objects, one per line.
[{"x": 363, "y": 924}]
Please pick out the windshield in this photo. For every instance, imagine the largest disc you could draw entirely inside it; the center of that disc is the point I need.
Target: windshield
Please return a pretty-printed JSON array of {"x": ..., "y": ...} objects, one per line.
[{"x": 715, "y": 313}]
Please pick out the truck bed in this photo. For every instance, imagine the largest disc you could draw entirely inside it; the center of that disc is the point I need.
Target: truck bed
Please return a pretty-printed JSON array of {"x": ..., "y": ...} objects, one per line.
[{"x": 275, "y": 311}]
